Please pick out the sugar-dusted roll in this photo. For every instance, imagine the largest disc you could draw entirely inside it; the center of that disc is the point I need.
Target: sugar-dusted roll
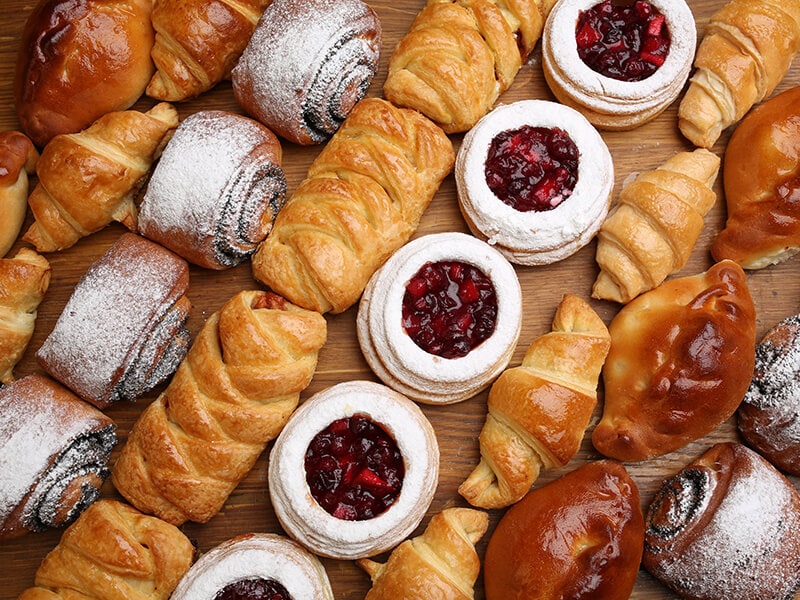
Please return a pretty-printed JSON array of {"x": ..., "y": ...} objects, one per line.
[
  {"x": 18, "y": 158},
  {"x": 122, "y": 330},
  {"x": 306, "y": 66},
  {"x": 54, "y": 451},
  {"x": 216, "y": 190}
]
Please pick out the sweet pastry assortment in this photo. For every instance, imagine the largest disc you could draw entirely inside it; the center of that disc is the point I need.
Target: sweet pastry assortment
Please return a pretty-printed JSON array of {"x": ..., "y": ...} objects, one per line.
[
  {"x": 440, "y": 319},
  {"x": 152, "y": 140},
  {"x": 534, "y": 179}
]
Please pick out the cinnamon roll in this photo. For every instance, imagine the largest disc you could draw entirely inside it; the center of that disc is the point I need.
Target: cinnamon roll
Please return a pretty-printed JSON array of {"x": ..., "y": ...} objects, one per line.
[
  {"x": 54, "y": 451},
  {"x": 354, "y": 470},
  {"x": 439, "y": 321},
  {"x": 216, "y": 190},
  {"x": 307, "y": 64}
]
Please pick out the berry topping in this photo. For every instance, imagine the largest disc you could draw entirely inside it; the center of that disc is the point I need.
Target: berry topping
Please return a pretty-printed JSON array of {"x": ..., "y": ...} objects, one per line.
[
  {"x": 625, "y": 42},
  {"x": 449, "y": 308},
  {"x": 253, "y": 589},
  {"x": 354, "y": 469}
]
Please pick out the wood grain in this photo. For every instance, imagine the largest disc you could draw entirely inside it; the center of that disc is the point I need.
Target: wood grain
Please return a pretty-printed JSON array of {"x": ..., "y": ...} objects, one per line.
[{"x": 776, "y": 291}]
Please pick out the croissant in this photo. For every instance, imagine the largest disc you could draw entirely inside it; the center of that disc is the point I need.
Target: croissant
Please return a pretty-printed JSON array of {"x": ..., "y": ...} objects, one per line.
[
  {"x": 111, "y": 552},
  {"x": 746, "y": 50},
  {"x": 655, "y": 225},
  {"x": 232, "y": 394},
  {"x": 24, "y": 280},
  {"x": 460, "y": 55},
  {"x": 18, "y": 158},
  {"x": 88, "y": 179},
  {"x": 362, "y": 199},
  {"x": 439, "y": 564},
  {"x": 539, "y": 411},
  {"x": 198, "y": 43}
]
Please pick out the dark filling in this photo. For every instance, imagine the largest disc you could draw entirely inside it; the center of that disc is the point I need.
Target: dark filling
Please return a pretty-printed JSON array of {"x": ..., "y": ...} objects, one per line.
[{"x": 253, "y": 589}]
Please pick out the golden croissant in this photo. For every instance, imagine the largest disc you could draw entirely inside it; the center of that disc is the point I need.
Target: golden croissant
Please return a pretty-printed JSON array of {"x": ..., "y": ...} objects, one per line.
[
  {"x": 655, "y": 225},
  {"x": 538, "y": 412}
]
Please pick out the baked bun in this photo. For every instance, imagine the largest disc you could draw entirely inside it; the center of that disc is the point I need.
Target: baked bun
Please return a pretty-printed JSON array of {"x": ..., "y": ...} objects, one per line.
[
  {"x": 78, "y": 61},
  {"x": 306, "y": 66},
  {"x": 534, "y": 212},
  {"x": 761, "y": 174},
  {"x": 439, "y": 321},
  {"x": 390, "y": 457},
  {"x": 618, "y": 93},
  {"x": 18, "y": 158},
  {"x": 580, "y": 536},
  {"x": 726, "y": 526}
]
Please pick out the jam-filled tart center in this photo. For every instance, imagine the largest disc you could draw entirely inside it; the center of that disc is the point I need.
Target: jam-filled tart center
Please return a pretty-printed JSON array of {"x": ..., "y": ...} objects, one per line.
[{"x": 255, "y": 588}]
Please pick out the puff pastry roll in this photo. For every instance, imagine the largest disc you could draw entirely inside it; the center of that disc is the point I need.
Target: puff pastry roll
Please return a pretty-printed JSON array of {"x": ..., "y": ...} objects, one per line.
[
  {"x": 18, "y": 158},
  {"x": 216, "y": 190},
  {"x": 362, "y": 199},
  {"x": 654, "y": 226},
  {"x": 539, "y": 411},
  {"x": 54, "y": 451},
  {"x": 745, "y": 52},
  {"x": 111, "y": 552},
  {"x": 460, "y": 55},
  {"x": 87, "y": 180},
  {"x": 122, "y": 330},
  {"x": 439, "y": 564},
  {"x": 24, "y": 280},
  {"x": 197, "y": 44},
  {"x": 232, "y": 395}
]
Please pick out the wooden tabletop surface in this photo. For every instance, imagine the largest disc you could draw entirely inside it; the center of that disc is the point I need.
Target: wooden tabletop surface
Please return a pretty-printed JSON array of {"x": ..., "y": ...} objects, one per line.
[{"x": 776, "y": 291}]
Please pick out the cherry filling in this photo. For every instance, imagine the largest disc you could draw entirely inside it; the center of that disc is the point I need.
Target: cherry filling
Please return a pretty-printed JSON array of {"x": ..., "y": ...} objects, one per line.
[
  {"x": 532, "y": 168},
  {"x": 354, "y": 469},
  {"x": 253, "y": 589},
  {"x": 628, "y": 43},
  {"x": 449, "y": 308}
]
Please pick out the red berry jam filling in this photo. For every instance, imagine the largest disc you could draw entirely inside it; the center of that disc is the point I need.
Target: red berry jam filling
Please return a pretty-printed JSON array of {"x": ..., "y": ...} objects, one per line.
[
  {"x": 449, "y": 308},
  {"x": 253, "y": 589},
  {"x": 628, "y": 43},
  {"x": 354, "y": 468},
  {"x": 532, "y": 168}
]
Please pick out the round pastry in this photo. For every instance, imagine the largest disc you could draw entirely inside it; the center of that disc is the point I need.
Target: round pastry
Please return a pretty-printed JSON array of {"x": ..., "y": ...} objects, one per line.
[
  {"x": 439, "y": 321},
  {"x": 620, "y": 65},
  {"x": 216, "y": 190},
  {"x": 18, "y": 159},
  {"x": 534, "y": 179},
  {"x": 255, "y": 565},
  {"x": 307, "y": 64},
  {"x": 371, "y": 464}
]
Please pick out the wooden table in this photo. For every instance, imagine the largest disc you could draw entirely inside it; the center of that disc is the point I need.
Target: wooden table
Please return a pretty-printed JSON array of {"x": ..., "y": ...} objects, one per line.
[{"x": 776, "y": 291}]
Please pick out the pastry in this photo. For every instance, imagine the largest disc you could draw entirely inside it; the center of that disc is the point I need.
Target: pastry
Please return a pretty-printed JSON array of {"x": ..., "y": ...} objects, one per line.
[
  {"x": 654, "y": 225},
  {"x": 441, "y": 318},
  {"x": 306, "y": 66},
  {"x": 681, "y": 360},
  {"x": 122, "y": 330},
  {"x": 87, "y": 180},
  {"x": 371, "y": 465},
  {"x": 761, "y": 176},
  {"x": 54, "y": 451},
  {"x": 439, "y": 564},
  {"x": 24, "y": 280},
  {"x": 18, "y": 158},
  {"x": 580, "y": 536},
  {"x": 769, "y": 415},
  {"x": 78, "y": 61},
  {"x": 255, "y": 565},
  {"x": 620, "y": 64},
  {"x": 362, "y": 199},
  {"x": 216, "y": 189},
  {"x": 538, "y": 411},
  {"x": 197, "y": 44},
  {"x": 746, "y": 50},
  {"x": 534, "y": 179},
  {"x": 725, "y": 526},
  {"x": 459, "y": 55},
  {"x": 231, "y": 396},
  {"x": 111, "y": 552}
]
